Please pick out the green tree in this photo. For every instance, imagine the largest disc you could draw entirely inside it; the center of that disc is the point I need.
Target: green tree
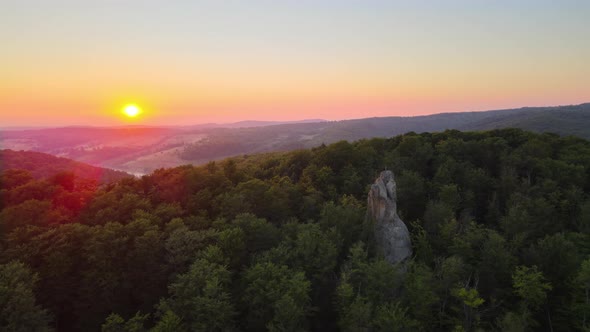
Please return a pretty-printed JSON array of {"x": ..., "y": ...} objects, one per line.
[
  {"x": 436, "y": 215},
  {"x": 355, "y": 315},
  {"x": 260, "y": 235},
  {"x": 346, "y": 217},
  {"x": 411, "y": 190},
  {"x": 366, "y": 297},
  {"x": 512, "y": 322},
  {"x": 495, "y": 266},
  {"x": 116, "y": 323},
  {"x": 583, "y": 223},
  {"x": 18, "y": 310},
  {"x": 582, "y": 296},
  {"x": 267, "y": 287},
  {"x": 420, "y": 294},
  {"x": 393, "y": 317},
  {"x": 201, "y": 297},
  {"x": 449, "y": 273},
  {"x": 182, "y": 246},
  {"x": 530, "y": 285},
  {"x": 470, "y": 300},
  {"x": 169, "y": 322}
]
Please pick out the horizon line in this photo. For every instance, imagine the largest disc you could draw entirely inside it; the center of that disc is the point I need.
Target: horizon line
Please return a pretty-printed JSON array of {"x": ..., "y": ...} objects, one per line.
[{"x": 269, "y": 122}]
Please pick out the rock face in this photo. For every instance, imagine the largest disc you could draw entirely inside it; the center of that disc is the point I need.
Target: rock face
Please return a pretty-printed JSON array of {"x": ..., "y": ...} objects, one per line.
[{"x": 391, "y": 234}]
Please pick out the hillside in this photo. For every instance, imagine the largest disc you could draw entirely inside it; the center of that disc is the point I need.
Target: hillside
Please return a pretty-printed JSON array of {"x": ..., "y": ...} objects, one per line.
[
  {"x": 571, "y": 120},
  {"x": 42, "y": 165},
  {"x": 144, "y": 149},
  {"x": 499, "y": 224}
]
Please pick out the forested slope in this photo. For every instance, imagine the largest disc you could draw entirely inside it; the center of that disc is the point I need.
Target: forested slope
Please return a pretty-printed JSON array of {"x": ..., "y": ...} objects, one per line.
[
  {"x": 500, "y": 225},
  {"x": 563, "y": 120},
  {"x": 42, "y": 165},
  {"x": 566, "y": 120}
]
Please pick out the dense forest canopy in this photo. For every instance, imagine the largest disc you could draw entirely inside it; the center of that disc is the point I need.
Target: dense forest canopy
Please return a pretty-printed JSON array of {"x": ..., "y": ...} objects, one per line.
[{"x": 500, "y": 225}]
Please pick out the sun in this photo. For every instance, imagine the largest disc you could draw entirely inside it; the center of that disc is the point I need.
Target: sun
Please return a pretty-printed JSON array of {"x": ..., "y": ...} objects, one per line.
[{"x": 131, "y": 110}]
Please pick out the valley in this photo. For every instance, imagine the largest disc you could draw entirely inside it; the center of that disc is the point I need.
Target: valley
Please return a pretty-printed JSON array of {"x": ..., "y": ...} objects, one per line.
[{"x": 141, "y": 150}]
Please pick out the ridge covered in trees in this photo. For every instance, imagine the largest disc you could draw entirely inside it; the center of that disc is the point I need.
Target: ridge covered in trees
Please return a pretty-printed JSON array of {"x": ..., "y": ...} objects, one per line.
[
  {"x": 500, "y": 225},
  {"x": 41, "y": 165}
]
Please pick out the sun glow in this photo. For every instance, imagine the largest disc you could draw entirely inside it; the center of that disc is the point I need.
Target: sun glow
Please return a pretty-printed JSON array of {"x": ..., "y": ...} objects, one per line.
[{"x": 131, "y": 110}]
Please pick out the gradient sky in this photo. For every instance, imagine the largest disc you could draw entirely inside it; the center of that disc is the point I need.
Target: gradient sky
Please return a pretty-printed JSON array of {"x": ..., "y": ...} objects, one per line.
[{"x": 187, "y": 62}]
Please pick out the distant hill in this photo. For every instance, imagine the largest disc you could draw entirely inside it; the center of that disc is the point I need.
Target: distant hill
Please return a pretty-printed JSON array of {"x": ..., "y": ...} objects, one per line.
[
  {"x": 251, "y": 124},
  {"x": 144, "y": 149},
  {"x": 563, "y": 120},
  {"x": 42, "y": 165}
]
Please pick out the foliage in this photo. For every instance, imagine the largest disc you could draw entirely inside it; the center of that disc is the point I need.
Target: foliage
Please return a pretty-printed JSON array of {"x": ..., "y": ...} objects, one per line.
[
  {"x": 530, "y": 285},
  {"x": 18, "y": 309},
  {"x": 499, "y": 223}
]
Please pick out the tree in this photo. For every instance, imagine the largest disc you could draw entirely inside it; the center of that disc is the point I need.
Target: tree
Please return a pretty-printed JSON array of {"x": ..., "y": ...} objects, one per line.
[
  {"x": 449, "y": 194},
  {"x": 419, "y": 293},
  {"x": 513, "y": 322},
  {"x": 18, "y": 310},
  {"x": 12, "y": 178},
  {"x": 582, "y": 296},
  {"x": 232, "y": 243},
  {"x": 116, "y": 323},
  {"x": 314, "y": 251},
  {"x": 346, "y": 217},
  {"x": 410, "y": 194},
  {"x": 366, "y": 297},
  {"x": 530, "y": 285},
  {"x": 267, "y": 288},
  {"x": 31, "y": 212},
  {"x": 356, "y": 315},
  {"x": 449, "y": 273},
  {"x": 169, "y": 322},
  {"x": 183, "y": 244},
  {"x": 437, "y": 214},
  {"x": 393, "y": 317},
  {"x": 260, "y": 235},
  {"x": 584, "y": 219},
  {"x": 470, "y": 301},
  {"x": 200, "y": 298},
  {"x": 495, "y": 266},
  {"x": 551, "y": 249}
]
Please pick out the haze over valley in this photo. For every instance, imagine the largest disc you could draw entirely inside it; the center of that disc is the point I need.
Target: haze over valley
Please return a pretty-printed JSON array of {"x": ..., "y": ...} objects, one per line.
[{"x": 142, "y": 149}]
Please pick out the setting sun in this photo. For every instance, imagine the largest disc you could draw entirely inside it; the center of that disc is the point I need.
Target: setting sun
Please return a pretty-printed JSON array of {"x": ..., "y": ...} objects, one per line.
[{"x": 131, "y": 110}]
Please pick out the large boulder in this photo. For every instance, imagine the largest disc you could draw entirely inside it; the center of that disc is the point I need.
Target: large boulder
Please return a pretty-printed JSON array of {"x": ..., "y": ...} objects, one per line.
[{"x": 391, "y": 234}]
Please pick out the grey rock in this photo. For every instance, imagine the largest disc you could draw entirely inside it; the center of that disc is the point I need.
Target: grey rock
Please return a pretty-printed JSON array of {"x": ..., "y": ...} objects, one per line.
[{"x": 391, "y": 234}]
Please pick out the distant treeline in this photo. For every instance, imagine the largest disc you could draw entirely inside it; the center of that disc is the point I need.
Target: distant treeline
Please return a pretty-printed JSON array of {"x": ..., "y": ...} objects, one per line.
[{"x": 500, "y": 225}]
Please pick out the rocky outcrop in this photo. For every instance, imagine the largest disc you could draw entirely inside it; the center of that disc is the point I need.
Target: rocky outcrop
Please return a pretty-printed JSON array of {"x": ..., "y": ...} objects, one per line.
[{"x": 391, "y": 234}]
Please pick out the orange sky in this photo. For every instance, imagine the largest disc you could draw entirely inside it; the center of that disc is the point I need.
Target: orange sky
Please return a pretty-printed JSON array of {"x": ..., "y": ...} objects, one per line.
[{"x": 191, "y": 62}]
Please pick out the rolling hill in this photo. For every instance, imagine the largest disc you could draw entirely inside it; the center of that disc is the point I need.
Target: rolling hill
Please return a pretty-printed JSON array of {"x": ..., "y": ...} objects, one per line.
[
  {"x": 42, "y": 165},
  {"x": 140, "y": 150}
]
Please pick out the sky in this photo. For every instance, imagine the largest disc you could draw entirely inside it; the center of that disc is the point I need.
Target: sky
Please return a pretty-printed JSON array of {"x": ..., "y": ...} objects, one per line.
[{"x": 188, "y": 61}]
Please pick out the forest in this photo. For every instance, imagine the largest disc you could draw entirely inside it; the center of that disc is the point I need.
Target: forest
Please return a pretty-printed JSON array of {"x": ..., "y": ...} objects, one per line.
[{"x": 499, "y": 223}]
